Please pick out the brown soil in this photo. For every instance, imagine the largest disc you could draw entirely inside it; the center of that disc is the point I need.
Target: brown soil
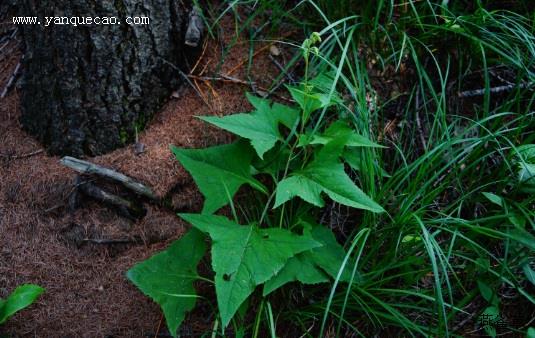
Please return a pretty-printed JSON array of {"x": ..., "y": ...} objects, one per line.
[{"x": 42, "y": 242}]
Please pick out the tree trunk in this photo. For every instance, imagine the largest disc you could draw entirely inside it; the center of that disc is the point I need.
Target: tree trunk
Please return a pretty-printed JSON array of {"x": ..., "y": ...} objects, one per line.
[{"x": 88, "y": 89}]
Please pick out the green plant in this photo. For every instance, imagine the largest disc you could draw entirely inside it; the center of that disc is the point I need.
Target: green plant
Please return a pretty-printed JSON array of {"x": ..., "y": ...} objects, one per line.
[
  {"x": 457, "y": 241},
  {"x": 281, "y": 242},
  {"x": 22, "y": 297}
]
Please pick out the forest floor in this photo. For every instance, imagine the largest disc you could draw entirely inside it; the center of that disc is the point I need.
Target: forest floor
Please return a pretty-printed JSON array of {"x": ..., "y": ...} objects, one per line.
[{"x": 43, "y": 242}]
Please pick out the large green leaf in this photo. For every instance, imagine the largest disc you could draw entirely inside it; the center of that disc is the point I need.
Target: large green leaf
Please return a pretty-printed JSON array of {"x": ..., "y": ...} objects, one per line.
[
  {"x": 299, "y": 185},
  {"x": 22, "y": 297},
  {"x": 315, "y": 265},
  {"x": 168, "y": 277},
  {"x": 331, "y": 255},
  {"x": 244, "y": 257},
  {"x": 261, "y": 126},
  {"x": 309, "y": 101},
  {"x": 288, "y": 116},
  {"x": 341, "y": 129},
  {"x": 353, "y": 158},
  {"x": 317, "y": 95},
  {"x": 219, "y": 171},
  {"x": 299, "y": 268},
  {"x": 324, "y": 82},
  {"x": 275, "y": 160},
  {"x": 325, "y": 174}
]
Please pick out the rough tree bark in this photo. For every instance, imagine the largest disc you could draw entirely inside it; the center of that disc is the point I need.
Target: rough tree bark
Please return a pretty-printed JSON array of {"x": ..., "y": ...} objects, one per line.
[{"x": 88, "y": 89}]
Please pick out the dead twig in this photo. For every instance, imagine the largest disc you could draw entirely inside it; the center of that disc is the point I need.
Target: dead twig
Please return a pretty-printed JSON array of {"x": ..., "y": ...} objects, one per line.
[
  {"x": 276, "y": 87},
  {"x": 11, "y": 81},
  {"x": 223, "y": 78},
  {"x": 104, "y": 241},
  {"x": 159, "y": 326},
  {"x": 5, "y": 54},
  {"x": 229, "y": 79},
  {"x": 463, "y": 322},
  {"x": 247, "y": 59},
  {"x": 14, "y": 157},
  {"x": 499, "y": 77},
  {"x": 200, "y": 57},
  {"x": 282, "y": 69},
  {"x": 418, "y": 122},
  {"x": 215, "y": 96},
  {"x": 186, "y": 78},
  {"x": 53, "y": 208},
  {"x": 257, "y": 52}
]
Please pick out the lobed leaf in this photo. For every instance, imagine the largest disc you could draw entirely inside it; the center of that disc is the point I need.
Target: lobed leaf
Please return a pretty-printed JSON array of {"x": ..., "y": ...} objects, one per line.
[
  {"x": 168, "y": 277},
  {"x": 299, "y": 268},
  {"x": 331, "y": 255},
  {"x": 308, "y": 101},
  {"x": 325, "y": 174},
  {"x": 315, "y": 265},
  {"x": 341, "y": 129},
  {"x": 219, "y": 171},
  {"x": 261, "y": 126},
  {"x": 244, "y": 257}
]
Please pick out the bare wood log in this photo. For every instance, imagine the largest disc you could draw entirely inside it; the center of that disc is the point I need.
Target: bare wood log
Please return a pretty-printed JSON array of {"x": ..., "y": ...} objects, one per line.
[{"x": 86, "y": 167}]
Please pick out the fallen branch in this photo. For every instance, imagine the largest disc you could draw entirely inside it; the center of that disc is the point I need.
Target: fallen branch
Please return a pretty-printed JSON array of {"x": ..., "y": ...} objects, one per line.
[
  {"x": 125, "y": 207},
  {"x": 85, "y": 167},
  {"x": 479, "y": 92},
  {"x": 7, "y": 39}
]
